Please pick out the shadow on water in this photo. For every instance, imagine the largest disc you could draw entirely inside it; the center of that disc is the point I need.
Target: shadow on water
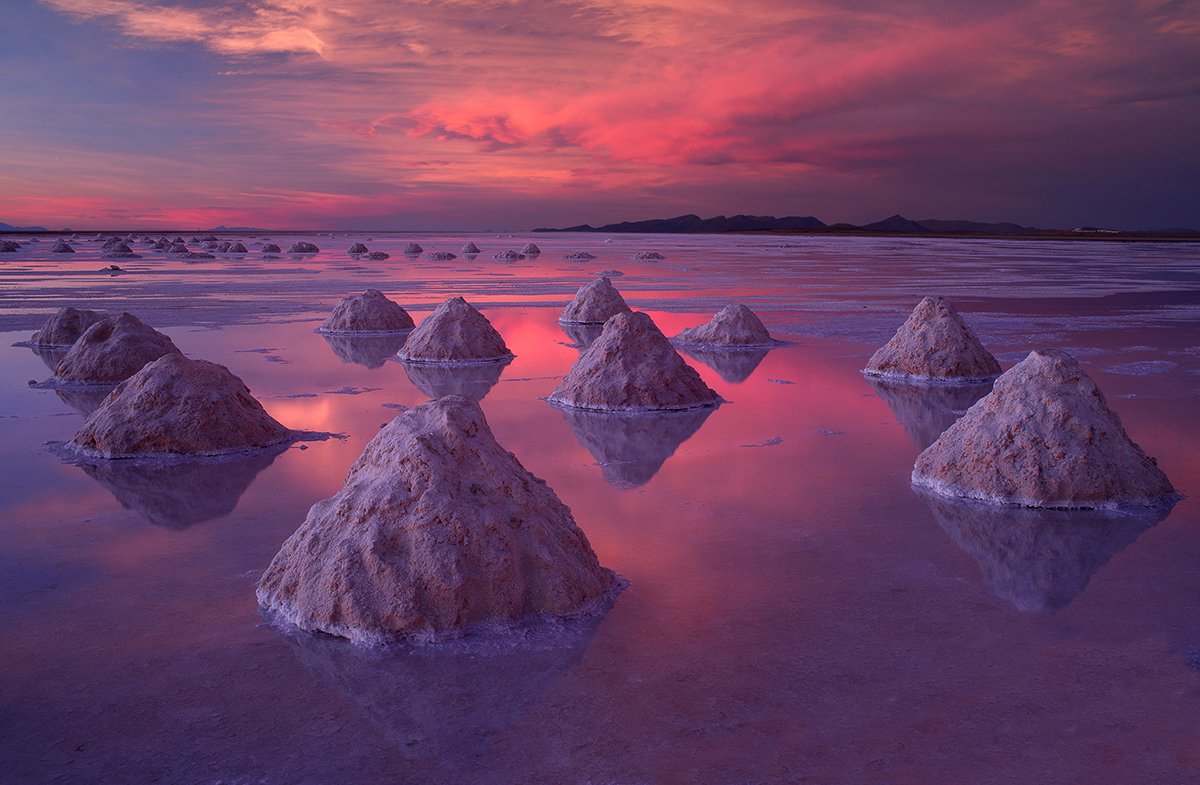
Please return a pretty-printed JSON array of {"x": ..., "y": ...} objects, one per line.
[
  {"x": 733, "y": 365},
  {"x": 371, "y": 351},
  {"x": 180, "y": 494},
  {"x": 472, "y": 381},
  {"x": 926, "y": 410},
  {"x": 631, "y": 447},
  {"x": 1039, "y": 560}
]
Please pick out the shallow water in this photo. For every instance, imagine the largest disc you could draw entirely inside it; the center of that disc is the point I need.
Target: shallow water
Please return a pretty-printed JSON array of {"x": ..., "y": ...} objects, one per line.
[{"x": 795, "y": 613}]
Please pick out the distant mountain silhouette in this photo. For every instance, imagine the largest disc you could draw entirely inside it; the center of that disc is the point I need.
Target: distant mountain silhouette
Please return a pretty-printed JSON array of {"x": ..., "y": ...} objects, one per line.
[
  {"x": 9, "y": 228},
  {"x": 895, "y": 223},
  {"x": 935, "y": 225},
  {"x": 695, "y": 224}
]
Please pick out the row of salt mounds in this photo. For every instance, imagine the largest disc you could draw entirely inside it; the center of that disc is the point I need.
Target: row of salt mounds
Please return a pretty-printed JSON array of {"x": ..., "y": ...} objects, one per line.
[
  {"x": 594, "y": 303},
  {"x": 65, "y": 327},
  {"x": 112, "y": 350},
  {"x": 1044, "y": 437},
  {"x": 632, "y": 366},
  {"x": 369, "y": 312},
  {"x": 455, "y": 333},
  {"x": 175, "y": 405},
  {"x": 733, "y": 326},
  {"x": 934, "y": 344},
  {"x": 437, "y": 529}
]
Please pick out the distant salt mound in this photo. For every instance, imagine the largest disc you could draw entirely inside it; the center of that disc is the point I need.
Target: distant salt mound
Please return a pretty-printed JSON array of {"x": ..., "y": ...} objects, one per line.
[
  {"x": 357, "y": 249},
  {"x": 509, "y": 256},
  {"x": 208, "y": 237},
  {"x": 303, "y": 247},
  {"x": 442, "y": 256},
  {"x": 531, "y": 249},
  {"x": 61, "y": 247},
  {"x": 369, "y": 312},
  {"x": 578, "y": 256},
  {"x": 934, "y": 344},
  {"x": 270, "y": 248},
  {"x": 221, "y": 247},
  {"x": 594, "y": 303},
  {"x": 1044, "y": 437},
  {"x": 470, "y": 248},
  {"x": 209, "y": 245},
  {"x": 733, "y": 326},
  {"x": 178, "y": 247},
  {"x": 438, "y": 528},
  {"x": 412, "y": 249},
  {"x": 630, "y": 367},
  {"x": 65, "y": 327},
  {"x": 9, "y": 246},
  {"x": 235, "y": 248},
  {"x": 119, "y": 251},
  {"x": 110, "y": 242},
  {"x": 112, "y": 350},
  {"x": 378, "y": 256},
  {"x": 177, "y": 406},
  {"x": 455, "y": 333},
  {"x": 647, "y": 256},
  {"x": 162, "y": 244}
]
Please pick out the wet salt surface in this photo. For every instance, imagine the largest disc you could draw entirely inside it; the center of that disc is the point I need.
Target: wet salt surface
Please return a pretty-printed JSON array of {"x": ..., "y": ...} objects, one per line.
[{"x": 794, "y": 613}]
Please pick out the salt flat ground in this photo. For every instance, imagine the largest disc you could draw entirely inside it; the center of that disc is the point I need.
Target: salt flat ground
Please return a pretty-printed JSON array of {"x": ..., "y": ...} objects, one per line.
[{"x": 795, "y": 613}]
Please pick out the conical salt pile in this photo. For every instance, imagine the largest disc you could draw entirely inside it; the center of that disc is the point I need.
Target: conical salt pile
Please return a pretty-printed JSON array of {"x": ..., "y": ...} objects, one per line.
[
  {"x": 119, "y": 250},
  {"x": 303, "y": 247},
  {"x": 369, "y": 312},
  {"x": 1044, "y": 437},
  {"x": 61, "y": 247},
  {"x": 437, "y": 528},
  {"x": 470, "y": 248},
  {"x": 412, "y": 249},
  {"x": 531, "y": 249},
  {"x": 594, "y": 303},
  {"x": 357, "y": 248},
  {"x": 236, "y": 248},
  {"x": 270, "y": 248},
  {"x": 64, "y": 327},
  {"x": 934, "y": 343},
  {"x": 734, "y": 325},
  {"x": 632, "y": 366},
  {"x": 179, "y": 406},
  {"x": 455, "y": 332},
  {"x": 112, "y": 350}
]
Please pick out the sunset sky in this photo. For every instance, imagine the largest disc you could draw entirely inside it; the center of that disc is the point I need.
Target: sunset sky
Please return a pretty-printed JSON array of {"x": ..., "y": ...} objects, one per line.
[{"x": 509, "y": 115}]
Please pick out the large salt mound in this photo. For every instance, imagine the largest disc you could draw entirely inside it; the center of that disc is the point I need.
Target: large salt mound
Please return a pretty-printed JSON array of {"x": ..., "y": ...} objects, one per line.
[
  {"x": 112, "y": 350},
  {"x": 934, "y": 343},
  {"x": 1044, "y": 437},
  {"x": 454, "y": 333},
  {"x": 734, "y": 325},
  {"x": 175, "y": 405},
  {"x": 594, "y": 303},
  {"x": 437, "y": 528},
  {"x": 64, "y": 327},
  {"x": 369, "y": 312},
  {"x": 632, "y": 366},
  {"x": 61, "y": 247}
]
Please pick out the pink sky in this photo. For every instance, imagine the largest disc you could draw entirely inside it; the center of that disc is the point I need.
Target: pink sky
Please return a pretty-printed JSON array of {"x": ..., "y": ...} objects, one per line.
[{"x": 461, "y": 115}]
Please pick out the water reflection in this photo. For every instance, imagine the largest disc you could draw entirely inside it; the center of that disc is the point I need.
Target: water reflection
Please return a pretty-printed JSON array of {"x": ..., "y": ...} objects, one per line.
[
  {"x": 631, "y": 447},
  {"x": 437, "y": 381},
  {"x": 84, "y": 399},
  {"x": 448, "y": 703},
  {"x": 180, "y": 494},
  {"x": 582, "y": 335},
  {"x": 50, "y": 355},
  {"x": 733, "y": 365},
  {"x": 1037, "y": 559},
  {"x": 925, "y": 410},
  {"x": 371, "y": 351}
]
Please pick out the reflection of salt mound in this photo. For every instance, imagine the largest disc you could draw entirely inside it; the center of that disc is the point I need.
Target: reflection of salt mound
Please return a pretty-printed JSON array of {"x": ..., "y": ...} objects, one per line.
[
  {"x": 65, "y": 327},
  {"x": 378, "y": 256},
  {"x": 734, "y": 325},
  {"x": 1044, "y": 437},
  {"x": 369, "y": 312},
  {"x": 470, "y": 381},
  {"x": 84, "y": 399},
  {"x": 303, "y": 247},
  {"x": 470, "y": 248},
  {"x": 926, "y": 410},
  {"x": 594, "y": 303},
  {"x": 179, "y": 494},
  {"x": 412, "y": 249},
  {"x": 112, "y": 350},
  {"x": 179, "y": 406},
  {"x": 582, "y": 335},
  {"x": 455, "y": 333},
  {"x": 448, "y": 704},
  {"x": 1039, "y": 560},
  {"x": 733, "y": 365},
  {"x": 437, "y": 528},
  {"x": 61, "y": 247},
  {"x": 357, "y": 248},
  {"x": 934, "y": 343},
  {"x": 531, "y": 249},
  {"x": 632, "y": 366},
  {"x": 509, "y": 256},
  {"x": 442, "y": 256},
  {"x": 631, "y": 447},
  {"x": 365, "y": 348},
  {"x": 50, "y": 355}
]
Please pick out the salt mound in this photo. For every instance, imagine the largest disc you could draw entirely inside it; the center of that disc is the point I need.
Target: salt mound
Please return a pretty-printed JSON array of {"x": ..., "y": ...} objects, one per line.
[
  {"x": 934, "y": 343},
  {"x": 235, "y": 248},
  {"x": 455, "y": 332},
  {"x": 437, "y": 528},
  {"x": 270, "y": 248},
  {"x": 112, "y": 350},
  {"x": 119, "y": 251},
  {"x": 734, "y": 325},
  {"x": 378, "y": 256},
  {"x": 178, "y": 247},
  {"x": 580, "y": 256},
  {"x": 179, "y": 406},
  {"x": 110, "y": 242},
  {"x": 594, "y": 303},
  {"x": 61, "y": 247},
  {"x": 647, "y": 256},
  {"x": 1044, "y": 437},
  {"x": 64, "y": 327},
  {"x": 509, "y": 256},
  {"x": 442, "y": 256},
  {"x": 412, "y": 249},
  {"x": 9, "y": 246},
  {"x": 221, "y": 247},
  {"x": 632, "y": 366},
  {"x": 162, "y": 244},
  {"x": 531, "y": 250},
  {"x": 470, "y": 248},
  {"x": 357, "y": 248},
  {"x": 369, "y": 312},
  {"x": 303, "y": 247}
]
